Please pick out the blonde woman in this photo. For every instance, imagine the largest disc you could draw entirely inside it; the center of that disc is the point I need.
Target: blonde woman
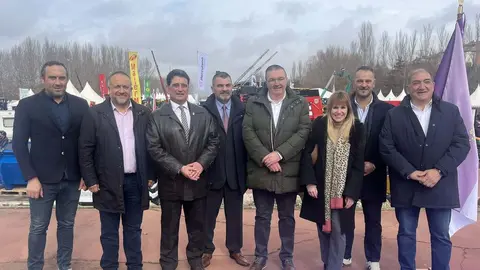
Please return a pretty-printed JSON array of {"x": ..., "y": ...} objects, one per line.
[{"x": 332, "y": 173}]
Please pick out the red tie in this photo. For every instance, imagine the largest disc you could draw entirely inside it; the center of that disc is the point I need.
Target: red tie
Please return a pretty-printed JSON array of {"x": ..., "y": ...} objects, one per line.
[{"x": 225, "y": 118}]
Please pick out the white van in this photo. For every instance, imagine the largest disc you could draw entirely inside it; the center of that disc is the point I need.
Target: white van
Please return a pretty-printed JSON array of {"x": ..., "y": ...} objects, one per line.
[{"x": 6, "y": 122}]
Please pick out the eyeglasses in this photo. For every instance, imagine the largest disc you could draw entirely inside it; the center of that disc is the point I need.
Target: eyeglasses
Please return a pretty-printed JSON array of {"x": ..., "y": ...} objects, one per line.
[{"x": 273, "y": 80}]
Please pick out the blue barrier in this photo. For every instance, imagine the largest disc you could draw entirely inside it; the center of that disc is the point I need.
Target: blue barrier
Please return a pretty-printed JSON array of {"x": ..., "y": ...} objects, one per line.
[{"x": 10, "y": 173}]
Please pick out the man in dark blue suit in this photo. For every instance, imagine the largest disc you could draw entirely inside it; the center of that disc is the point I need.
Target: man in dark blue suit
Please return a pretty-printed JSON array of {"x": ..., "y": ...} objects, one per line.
[
  {"x": 228, "y": 173},
  {"x": 371, "y": 112},
  {"x": 423, "y": 141},
  {"x": 51, "y": 120}
]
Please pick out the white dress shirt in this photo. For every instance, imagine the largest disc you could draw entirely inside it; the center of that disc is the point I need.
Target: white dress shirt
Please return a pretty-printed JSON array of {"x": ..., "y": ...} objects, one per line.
[
  {"x": 176, "y": 109},
  {"x": 423, "y": 116},
  {"x": 362, "y": 114},
  {"x": 276, "y": 107}
]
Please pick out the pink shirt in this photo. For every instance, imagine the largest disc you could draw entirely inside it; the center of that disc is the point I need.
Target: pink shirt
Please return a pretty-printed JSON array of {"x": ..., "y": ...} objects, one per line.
[{"x": 127, "y": 138}]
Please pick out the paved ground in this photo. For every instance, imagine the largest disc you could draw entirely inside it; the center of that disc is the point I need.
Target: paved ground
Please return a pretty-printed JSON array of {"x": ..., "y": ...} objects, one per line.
[{"x": 14, "y": 229}]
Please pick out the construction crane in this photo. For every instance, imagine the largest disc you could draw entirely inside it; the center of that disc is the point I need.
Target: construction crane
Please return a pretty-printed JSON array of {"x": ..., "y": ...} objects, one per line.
[
  {"x": 250, "y": 68},
  {"x": 260, "y": 67}
]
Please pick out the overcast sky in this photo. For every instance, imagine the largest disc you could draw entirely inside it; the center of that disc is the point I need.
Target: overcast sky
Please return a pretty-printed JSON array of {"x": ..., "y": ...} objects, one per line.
[{"x": 233, "y": 35}]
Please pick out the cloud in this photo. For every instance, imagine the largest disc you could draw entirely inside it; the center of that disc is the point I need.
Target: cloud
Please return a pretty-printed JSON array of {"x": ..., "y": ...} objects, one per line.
[
  {"x": 292, "y": 10},
  {"x": 446, "y": 16},
  {"x": 16, "y": 21},
  {"x": 233, "y": 34}
]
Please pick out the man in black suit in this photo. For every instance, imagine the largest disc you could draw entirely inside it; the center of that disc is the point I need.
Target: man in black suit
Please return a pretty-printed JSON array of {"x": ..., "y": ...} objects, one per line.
[
  {"x": 371, "y": 112},
  {"x": 182, "y": 141},
  {"x": 51, "y": 119},
  {"x": 116, "y": 168},
  {"x": 227, "y": 175}
]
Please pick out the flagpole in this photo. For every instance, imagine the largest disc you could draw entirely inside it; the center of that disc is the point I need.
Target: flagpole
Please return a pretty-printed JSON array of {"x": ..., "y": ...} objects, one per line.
[
  {"x": 460, "y": 9},
  {"x": 159, "y": 75}
]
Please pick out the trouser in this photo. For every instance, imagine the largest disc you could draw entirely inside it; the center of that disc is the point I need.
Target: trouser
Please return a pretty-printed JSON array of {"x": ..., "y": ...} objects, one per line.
[
  {"x": 194, "y": 219},
  {"x": 438, "y": 224},
  {"x": 65, "y": 195},
  {"x": 332, "y": 245},
  {"x": 264, "y": 202},
  {"x": 372, "y": 212},
  {"x": 132, "y": 231},
  {"x": 233, "y": 208}
]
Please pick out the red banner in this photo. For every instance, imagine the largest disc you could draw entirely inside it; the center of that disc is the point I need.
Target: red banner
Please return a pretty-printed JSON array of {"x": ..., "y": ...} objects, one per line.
[{"x": 103, "y": 85}]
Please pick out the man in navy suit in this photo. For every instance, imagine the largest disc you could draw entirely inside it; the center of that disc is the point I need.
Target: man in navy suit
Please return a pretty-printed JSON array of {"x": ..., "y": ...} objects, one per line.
[
  {"x": 227, "y": 175},
  {"x": 51, "y": 119},
  {"x": 423, "y": 141}
]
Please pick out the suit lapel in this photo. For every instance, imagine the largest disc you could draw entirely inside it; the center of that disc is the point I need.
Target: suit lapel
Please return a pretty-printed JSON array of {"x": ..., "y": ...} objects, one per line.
[
  {"x": 108, "y": 113},
  {"x": 416, "y": 124},
  {"x": 435, "y": 118},
  {"x": 71, "y": 113},
  {"x": 216, "y": 114},
  {"x": 235, "y": 111},
  {"x": 194, "y": 119}
]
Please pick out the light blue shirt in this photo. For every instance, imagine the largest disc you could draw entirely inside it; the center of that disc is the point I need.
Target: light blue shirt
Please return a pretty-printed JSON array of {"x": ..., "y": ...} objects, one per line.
[
  {"x": 362, "y": 114},
  {"x": 220, "y": 107}
]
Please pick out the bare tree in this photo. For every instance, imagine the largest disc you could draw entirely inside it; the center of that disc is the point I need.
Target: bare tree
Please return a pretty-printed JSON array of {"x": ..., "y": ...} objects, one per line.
[
  {"x": 384, "y": 49},
  {"x": 412, "y": 45},
  {"x": 320, "y": 67},
  {"x": 367, "y": 43},
  {"x": 468, "y": 33},
  {"x": 426, "y": 43},
  {"x": 293, "y": 75},
  {"x": 145, "y": 68},
  {"x": 300, "y": 71},
  {"x": 354, "y": 48},
  {"x": 20, "y": 65},
  {"x": 400, "y": 47},
  {"x": 477, "y": 27},
  {"x": 442, "y": 37}
]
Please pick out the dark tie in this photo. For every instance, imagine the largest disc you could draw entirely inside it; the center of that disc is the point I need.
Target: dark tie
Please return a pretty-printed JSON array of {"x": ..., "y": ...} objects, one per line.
[
  {"x": 225, "y": 118},
  {"x": 184, "y": 122}
]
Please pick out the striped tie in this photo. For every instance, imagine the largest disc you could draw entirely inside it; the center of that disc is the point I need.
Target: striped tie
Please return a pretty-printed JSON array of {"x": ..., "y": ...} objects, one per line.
[{"x": 184, "y": 122}]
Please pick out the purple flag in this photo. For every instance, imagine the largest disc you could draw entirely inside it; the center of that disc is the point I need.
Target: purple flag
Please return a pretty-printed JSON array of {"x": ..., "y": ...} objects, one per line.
[{"x": 452, "y": 86}]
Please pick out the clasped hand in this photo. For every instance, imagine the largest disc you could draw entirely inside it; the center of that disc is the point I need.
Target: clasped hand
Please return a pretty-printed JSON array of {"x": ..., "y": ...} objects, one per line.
[
  {"x": 272, "y": 162},
  {"x": 192, "y": 171},
  {"x": 428, "y": 178}
]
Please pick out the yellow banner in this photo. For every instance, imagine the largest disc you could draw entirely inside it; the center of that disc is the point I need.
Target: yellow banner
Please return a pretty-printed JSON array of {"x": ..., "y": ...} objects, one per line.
[{"x": 133, "y": 62}]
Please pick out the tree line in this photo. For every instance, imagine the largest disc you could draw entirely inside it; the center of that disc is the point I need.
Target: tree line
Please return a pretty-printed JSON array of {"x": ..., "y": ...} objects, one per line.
[
  {"x": 391, "y": 56},
  {"x": 20, "y": 65}
]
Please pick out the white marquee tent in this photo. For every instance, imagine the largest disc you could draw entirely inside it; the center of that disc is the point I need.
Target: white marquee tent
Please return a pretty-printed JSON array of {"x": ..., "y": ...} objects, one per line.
[
  {"x": 402, "y": 95},
  {"x": 380, "y": 95},
  {"x": 72, "y": 90},
  {"x": 475, "y": 98},
  {"x": 390, "y": 96},
  {"x": 90, "y": 95}
]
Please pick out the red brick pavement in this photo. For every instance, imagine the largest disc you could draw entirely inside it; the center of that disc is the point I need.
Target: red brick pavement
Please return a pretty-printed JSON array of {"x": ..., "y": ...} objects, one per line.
[{"x": 14, "y": 225}]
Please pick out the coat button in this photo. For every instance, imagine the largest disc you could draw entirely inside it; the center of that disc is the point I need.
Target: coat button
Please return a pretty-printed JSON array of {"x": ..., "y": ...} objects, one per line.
[
  {"x": 63, "y": 153},
  {"x": 426, "y": 145},
  {"x": 63, "y": 137}
]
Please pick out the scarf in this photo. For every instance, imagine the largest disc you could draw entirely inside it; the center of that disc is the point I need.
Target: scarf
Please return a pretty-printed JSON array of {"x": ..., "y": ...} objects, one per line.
[{"x": 335, "y": 178}]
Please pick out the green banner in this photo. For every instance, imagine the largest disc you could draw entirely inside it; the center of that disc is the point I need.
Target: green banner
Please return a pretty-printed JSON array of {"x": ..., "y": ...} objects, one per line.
[{"x": 147, "y": 88}]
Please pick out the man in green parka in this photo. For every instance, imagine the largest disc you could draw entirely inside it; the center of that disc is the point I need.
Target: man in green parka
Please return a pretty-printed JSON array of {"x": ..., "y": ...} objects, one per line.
[{"x": 275, "y": 129}]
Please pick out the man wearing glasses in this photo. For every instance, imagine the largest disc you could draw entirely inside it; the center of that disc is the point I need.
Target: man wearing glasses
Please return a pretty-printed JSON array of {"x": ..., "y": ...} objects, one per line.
[
  {"x": 275, "y": 129},
  {"x": 117, "y": 169}
]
